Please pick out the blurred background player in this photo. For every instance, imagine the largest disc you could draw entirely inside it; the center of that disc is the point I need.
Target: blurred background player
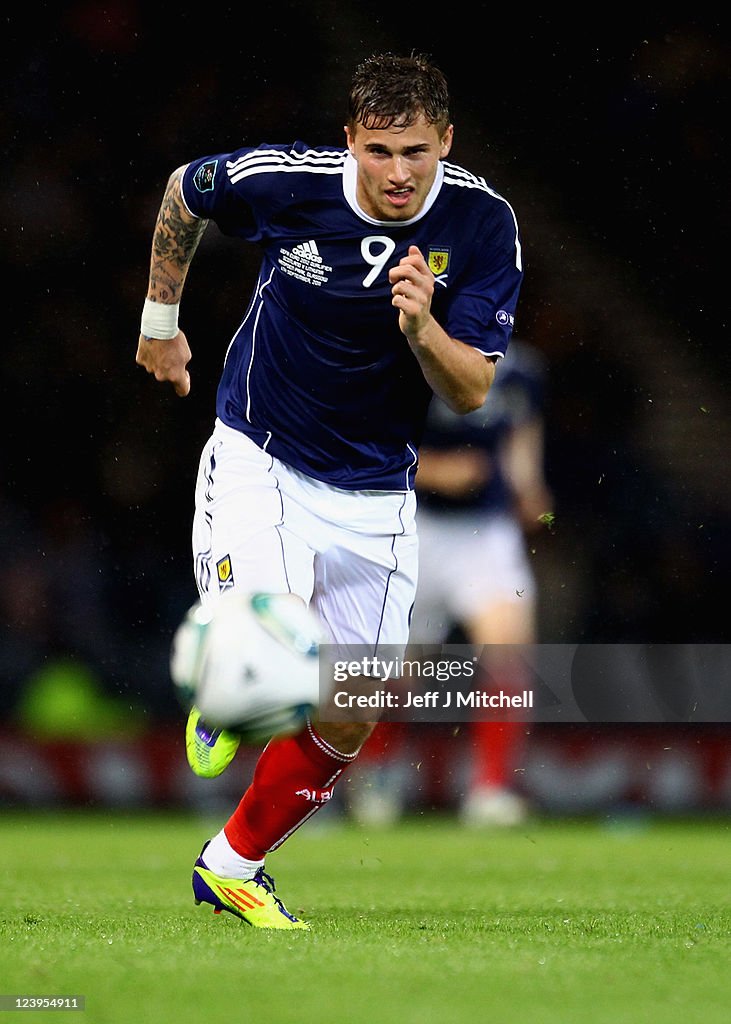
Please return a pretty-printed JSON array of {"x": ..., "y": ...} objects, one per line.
[{"x": 482, "y": 490}]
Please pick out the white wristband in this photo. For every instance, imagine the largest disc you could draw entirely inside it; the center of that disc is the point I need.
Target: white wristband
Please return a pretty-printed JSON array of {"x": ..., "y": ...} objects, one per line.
[{"x": 159, "y": 320}]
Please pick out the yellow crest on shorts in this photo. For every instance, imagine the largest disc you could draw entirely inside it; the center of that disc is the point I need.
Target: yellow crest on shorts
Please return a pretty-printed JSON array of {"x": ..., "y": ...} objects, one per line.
[
  {"x": 438, "y": 261},
  {"x": 225, "y": 572}
]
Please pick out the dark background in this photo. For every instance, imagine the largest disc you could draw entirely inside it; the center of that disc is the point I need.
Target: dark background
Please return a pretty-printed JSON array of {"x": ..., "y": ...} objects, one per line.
[{"x": 608, "y": 139}]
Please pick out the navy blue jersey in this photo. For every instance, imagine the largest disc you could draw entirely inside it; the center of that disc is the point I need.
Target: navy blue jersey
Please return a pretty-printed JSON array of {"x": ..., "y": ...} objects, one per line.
[
  {"x": 318, "y": 371},
  {"x": 517, "y": 396}
]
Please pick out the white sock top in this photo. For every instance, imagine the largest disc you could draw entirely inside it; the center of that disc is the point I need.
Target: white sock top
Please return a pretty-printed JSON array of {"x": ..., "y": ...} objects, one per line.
[{"x": 221, "y": 858}]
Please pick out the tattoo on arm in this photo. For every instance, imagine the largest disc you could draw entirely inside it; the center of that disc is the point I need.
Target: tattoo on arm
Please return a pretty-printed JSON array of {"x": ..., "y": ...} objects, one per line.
[{"x": 174, "y": 243}]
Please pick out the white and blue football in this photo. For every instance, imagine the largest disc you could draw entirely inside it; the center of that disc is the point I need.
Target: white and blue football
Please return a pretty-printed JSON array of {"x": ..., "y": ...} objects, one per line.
[{"x": 249, "y": 663}]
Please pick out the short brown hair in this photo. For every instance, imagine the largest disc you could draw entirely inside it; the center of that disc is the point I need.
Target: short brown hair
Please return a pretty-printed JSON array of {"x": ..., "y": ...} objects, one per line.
[{"x": 388, "y": 90}]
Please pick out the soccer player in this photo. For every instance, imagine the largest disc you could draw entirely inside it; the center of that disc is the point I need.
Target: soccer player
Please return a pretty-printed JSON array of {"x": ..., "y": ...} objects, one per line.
[
  {"x": 388, "y": 274},
  {"x": 482, "y": 491}
]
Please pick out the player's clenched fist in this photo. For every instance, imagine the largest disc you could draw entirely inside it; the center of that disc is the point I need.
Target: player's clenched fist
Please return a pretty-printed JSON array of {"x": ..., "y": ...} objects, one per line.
[
  {"x": 166, "y": 359},
  {"x": 412, "y": 290}
]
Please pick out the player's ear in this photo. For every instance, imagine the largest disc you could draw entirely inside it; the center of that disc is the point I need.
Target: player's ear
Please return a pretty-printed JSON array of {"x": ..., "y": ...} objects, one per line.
[
  {"x": 350, "y": 139},
  {"x": 446, "y": 141}
]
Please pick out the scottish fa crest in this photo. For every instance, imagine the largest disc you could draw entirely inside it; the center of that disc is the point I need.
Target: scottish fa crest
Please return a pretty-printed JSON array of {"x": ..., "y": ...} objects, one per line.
[
  {"x": 438, "y": 261},
  {"x": 225, "y": 573}
]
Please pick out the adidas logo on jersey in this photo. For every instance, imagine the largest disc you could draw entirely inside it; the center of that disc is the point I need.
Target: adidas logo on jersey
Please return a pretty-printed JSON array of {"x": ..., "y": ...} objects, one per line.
[
  {"x": 307, "y": 251},
  {"x": 304, "y": 262}
]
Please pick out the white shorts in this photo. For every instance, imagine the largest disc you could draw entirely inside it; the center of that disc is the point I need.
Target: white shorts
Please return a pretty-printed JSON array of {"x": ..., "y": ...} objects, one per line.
[
  {"x": 467, "y": 561},
  {"x": 261, "y": 525}
]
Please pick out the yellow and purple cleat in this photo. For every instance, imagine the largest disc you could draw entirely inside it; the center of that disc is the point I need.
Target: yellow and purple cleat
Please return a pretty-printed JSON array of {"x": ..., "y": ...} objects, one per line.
[
  {"x": 209, "y": 751},
  {"x": 254, "y": 901}
]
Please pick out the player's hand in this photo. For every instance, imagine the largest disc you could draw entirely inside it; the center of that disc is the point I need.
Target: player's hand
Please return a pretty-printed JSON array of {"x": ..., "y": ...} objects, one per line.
[
  {"x": 412, "y": 290},
  {"x": 534, "y": 507},
  {"x": 166, "y": 359}
]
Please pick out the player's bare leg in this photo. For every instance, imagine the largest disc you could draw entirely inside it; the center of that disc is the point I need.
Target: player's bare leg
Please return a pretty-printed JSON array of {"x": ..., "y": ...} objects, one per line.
[{"x": 496, "y": 746}]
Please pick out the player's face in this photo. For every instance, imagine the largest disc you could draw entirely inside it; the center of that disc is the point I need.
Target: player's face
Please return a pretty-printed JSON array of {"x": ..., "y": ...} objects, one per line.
[{"x": 396, "y": 167}]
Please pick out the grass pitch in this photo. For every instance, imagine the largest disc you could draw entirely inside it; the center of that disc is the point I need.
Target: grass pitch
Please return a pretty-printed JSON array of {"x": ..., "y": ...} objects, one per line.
[{"x": 551, "y": 923}]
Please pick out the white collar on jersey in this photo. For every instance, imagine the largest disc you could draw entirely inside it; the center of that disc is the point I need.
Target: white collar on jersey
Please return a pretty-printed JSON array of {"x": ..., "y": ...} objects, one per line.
[{"x": 350, "y": 175}]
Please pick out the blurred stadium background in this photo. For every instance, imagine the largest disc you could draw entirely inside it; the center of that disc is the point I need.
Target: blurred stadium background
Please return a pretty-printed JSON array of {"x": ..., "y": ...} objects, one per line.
[{"x": 608, "y": 141}]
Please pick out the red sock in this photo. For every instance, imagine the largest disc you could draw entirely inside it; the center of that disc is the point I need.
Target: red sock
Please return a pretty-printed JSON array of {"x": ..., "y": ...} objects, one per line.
[
  {"x": 294, "y": 777},
  {"x": 495, "y": 750}
]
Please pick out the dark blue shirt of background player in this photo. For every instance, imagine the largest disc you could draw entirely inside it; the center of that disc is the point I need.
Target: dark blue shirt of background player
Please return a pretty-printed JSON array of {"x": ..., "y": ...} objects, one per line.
[{"x": 517, "y": 397}]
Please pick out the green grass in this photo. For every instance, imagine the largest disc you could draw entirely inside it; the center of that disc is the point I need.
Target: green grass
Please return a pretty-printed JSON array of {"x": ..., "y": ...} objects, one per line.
[{"x": 554, "y": 923}]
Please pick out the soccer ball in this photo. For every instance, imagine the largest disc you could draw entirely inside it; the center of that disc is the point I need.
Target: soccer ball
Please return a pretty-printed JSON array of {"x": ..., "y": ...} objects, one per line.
[{"x": 250, "y": 664}]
